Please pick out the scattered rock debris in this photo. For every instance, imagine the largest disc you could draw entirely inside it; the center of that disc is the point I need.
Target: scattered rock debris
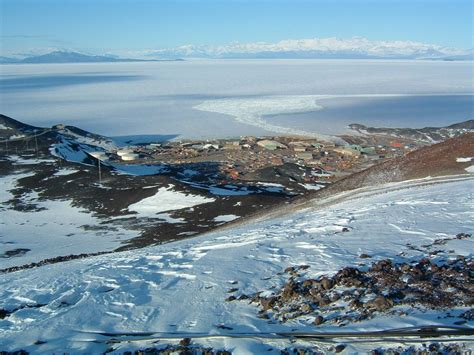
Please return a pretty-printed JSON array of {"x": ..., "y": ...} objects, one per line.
[
  {"x": 179, "y": 349},
  {"x": 424, "y": 349},
  {"x": 48, "y": 261},
  {"x": 356, "y": 294}
]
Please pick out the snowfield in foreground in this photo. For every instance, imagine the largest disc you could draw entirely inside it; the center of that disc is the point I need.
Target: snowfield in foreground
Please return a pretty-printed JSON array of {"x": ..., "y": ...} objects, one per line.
[{"x": 182, "y": 286}]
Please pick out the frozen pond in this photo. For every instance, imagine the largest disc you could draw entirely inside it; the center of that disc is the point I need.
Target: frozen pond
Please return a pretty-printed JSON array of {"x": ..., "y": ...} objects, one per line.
[{"x": 219, "y": 98}]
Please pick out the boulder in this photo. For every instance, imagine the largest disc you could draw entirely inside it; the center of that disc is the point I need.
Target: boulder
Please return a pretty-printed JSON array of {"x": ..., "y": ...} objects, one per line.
[
  {"x": 380, "y": 303},
  {"x": 267, "y": 303},
  {"x": 326, "y": 283},
  {"x": 318, "y": 320}
]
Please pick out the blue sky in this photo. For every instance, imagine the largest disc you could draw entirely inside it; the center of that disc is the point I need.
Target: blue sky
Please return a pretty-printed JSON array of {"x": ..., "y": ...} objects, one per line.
[{"x": 100, "y": 26}]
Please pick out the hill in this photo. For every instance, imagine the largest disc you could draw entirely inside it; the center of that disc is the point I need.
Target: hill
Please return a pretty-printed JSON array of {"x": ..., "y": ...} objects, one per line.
[
  {"x": 9, "y": 125},
  {"x": 70, "y": 57},
  {"x": 427, "y": 134},
  {"x": 435, "y": 160}
]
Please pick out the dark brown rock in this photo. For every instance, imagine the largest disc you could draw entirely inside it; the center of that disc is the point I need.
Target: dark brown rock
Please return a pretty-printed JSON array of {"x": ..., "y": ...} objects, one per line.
[
  {"x": 405, "y": 267},
  {"x": 355, "y": 304},
  {"x": 324, "y": 301},
  {"x": 339, "y": 348},
  {"x": 326, "y": 283},
  {"x": 382, "y": 265},
  {"x": 289, "y": 290},
  {"x": 267, "y": 303},
  {"x": 347, "y": 272},
  {"x": 4, "y": 313},
  {"x": 308, "y": 283},
  {"x": 315, "y": 293},
  {"x": 380, "y": 303},
  {"x": 185, "y": 342},
  {"x": 318, "y": 320},
  {"x": 306, "y": 308}
]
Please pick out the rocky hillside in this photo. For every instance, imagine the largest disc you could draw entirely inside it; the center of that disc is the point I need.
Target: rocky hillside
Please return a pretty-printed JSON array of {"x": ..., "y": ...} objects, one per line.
[
  {"x": 430, "y": 161},
  {"x": 67, "y": 142},
  {"x": 427, "y": 134},
  {"x": 9, "y": 127},
  {"x": 435, "y": 160}
]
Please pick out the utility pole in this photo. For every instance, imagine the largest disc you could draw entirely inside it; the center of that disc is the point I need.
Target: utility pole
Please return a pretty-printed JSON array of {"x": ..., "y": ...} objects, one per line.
[
  {"x": 36, "y": 144},
  {"x": 100, "y": 174}
]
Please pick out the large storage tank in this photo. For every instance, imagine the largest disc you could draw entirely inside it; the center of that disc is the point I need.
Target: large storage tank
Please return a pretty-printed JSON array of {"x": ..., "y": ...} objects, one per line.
[{"x": 129, "y": 156}]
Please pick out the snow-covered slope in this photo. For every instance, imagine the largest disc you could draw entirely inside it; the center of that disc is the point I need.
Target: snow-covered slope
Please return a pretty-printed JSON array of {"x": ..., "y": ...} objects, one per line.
[
  {"x": 182, "y": 286},
  {"x": 46, "y": 228}
]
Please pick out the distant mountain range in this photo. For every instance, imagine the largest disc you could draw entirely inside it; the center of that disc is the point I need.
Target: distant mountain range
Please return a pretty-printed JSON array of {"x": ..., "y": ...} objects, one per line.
[
  {"x": 320, "y": 48},
  {"x": 312, "y": 48},
  {"x": 71, "y": 57}
]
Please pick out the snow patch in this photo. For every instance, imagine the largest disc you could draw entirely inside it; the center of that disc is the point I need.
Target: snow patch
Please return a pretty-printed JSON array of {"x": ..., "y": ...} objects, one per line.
[
  {"x": 226, "y": 218},
  {"x": 17, "y": 136},
  {"x": 464, "y": 160},
  {"x": 65, "y": 172},
  {"x": 312, "y": 186},
  {"x": 25, "y": 160},
  {"x": 166, "y": 200},
  {"x": 272, "y": 184}
]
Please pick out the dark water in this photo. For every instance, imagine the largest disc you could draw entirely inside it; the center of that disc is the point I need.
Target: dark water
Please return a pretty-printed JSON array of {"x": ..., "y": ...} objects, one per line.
[
  {"x": 402, "y": 111},
  {"x": 9, "y": 84}
]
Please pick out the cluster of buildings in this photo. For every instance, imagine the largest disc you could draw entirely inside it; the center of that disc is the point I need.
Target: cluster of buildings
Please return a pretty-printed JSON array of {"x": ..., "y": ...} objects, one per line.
[
  {"x": 240, "y": 158},
  {"x": 126, "y": 155}
]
